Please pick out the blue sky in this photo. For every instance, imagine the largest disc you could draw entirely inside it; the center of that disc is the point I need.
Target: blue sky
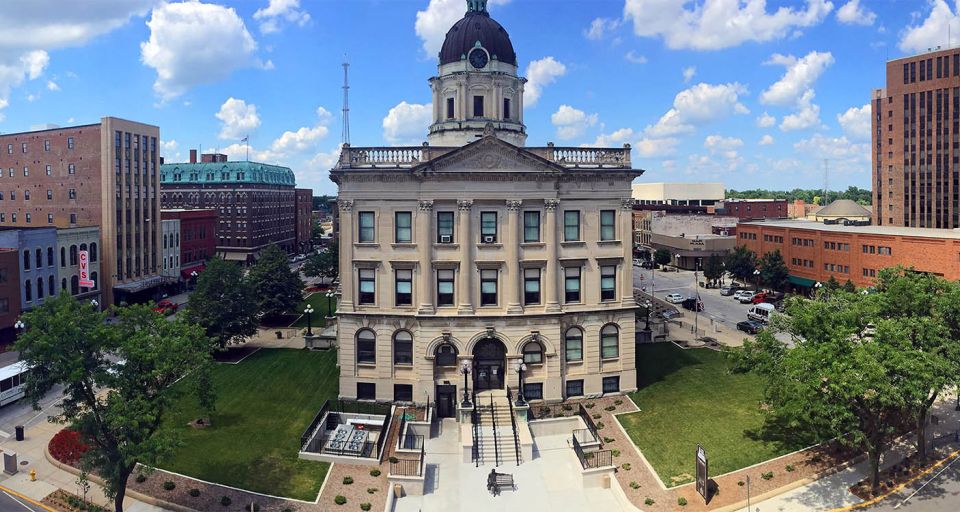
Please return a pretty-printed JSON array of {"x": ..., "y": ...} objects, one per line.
[{"x": 747, "y": 92}]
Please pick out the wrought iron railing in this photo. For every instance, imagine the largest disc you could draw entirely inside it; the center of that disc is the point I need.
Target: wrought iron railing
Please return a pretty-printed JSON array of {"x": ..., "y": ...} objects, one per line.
[
  {"x": 588, "y": 420},
  {"x": 591, "y": 460},
  {"x": 409, "y": 442},
  {"x": 585, "y": 436},
  {"x": 309, "y": 432},
  {"x": 513, "y": 423},
  {"x": 475, "y": 419},
  {"x": 384, "y": 434},
  {"x": 405, "y": 467},
  {"x": 496, "y": 439}
]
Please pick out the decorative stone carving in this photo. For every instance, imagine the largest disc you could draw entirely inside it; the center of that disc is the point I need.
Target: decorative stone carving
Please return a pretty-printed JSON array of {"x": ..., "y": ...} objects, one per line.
[
  {"x": 345, "y": 204},
  {"x": 627, "y": 203},
  {"x": 464, "y": 205},
  {"x": 551, "y": 204},
  {"x": 514, "y": 205},
  {"x": 426, "y": 206}
]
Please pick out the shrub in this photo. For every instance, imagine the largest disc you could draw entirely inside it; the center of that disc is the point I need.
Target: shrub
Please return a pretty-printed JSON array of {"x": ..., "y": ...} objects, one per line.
[
  {"x": 740, "y": 483},
  {"x": 288, "y": 509},
  {"x": 590, "y": 405},
  {"x": 347, "y": 480},
  {"x": 141, "y": 478},
  {"x": 393, "y": 460},
  {"x": 610, "y": 408},
  {"x": 616, "y": 453},
  {"x": 634, "y": 485},
  {"x": 225, "y": 501},
  {"x": 371, "y": 490},
  {"x": 600, "y": 425},
  {"x": 67, "y": 447},
  {"x": 596, "y": 416},
  {"x": 617, "y": 402},
  {"x": 648, "y": 502},
  {"x": 365, "y": 506},
  {"x": 253, "y": 507},
  {"x": 625, "y": 466},
  {"x": 767, "y": 476},
  {"x": 340, "y": 499},
  {"x": 608, "y": 439},
  {"x": 168, "y": 485},
  {"x": 790, "y": 468},
  {"x": 682, "y": 501},
  {"x": 374, "y": 472},
  {"x": 194, "y": 492},
  {"x": 567, "y": 407}
]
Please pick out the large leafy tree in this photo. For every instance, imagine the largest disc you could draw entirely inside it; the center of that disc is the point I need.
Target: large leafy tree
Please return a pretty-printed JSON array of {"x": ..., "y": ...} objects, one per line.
[
  {"x": 223, "y": 304},
  {"x": 661, "y": 257},
  {"x": 713, "y": 268},
  {"x": 324, "y": 264},
  {"x": 277, "y": 288},
  {"x": 741, "y": 262},
  {"x": 118, "y": 380},
  {"x": 773, "y": 270}
]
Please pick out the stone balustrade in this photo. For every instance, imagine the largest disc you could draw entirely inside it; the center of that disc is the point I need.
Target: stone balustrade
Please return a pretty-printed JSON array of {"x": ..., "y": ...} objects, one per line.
[{"x": 410, "y": 156}]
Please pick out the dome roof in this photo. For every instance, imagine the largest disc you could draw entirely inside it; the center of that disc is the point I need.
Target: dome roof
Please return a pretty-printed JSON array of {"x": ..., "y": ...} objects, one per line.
[{"x": 477, "y": 25}]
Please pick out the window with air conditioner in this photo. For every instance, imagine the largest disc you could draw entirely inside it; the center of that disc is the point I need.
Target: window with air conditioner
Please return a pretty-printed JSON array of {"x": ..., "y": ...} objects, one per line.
[
  {"x": 488, "y": 227},
  {"x": 445, "y": 227}
]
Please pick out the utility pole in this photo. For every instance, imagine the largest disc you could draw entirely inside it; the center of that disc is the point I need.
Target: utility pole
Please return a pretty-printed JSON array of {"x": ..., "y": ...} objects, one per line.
[{"x": 345, "y": 130}]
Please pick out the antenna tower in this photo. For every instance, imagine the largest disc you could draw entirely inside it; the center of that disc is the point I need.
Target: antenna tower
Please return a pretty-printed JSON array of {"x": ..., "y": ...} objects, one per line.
[
  {"x": 345, "y": 131},
  {"x": 826, "y": 180}
]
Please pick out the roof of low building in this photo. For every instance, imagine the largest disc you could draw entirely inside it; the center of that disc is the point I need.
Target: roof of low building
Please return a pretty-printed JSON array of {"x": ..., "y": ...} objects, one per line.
[
  {"x": 953, "y": 234},
  {"x": 843, "y": 208},
  {"x": 226, "y": 172}
]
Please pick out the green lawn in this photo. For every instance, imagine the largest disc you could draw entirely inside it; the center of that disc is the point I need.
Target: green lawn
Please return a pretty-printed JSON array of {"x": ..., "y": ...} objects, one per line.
[
  {"x": 263, "y": 406},
  {"x": 688, "y": 397},
  {"x": 320, "y": 311}
]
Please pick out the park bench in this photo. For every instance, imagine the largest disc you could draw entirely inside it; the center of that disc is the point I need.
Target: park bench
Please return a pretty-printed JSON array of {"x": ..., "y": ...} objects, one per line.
[{"x": 498, "y": 481}]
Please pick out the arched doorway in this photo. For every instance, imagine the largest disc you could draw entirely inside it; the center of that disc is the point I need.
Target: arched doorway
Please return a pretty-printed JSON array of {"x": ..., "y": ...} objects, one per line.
[{"x": 489, "y": 364}]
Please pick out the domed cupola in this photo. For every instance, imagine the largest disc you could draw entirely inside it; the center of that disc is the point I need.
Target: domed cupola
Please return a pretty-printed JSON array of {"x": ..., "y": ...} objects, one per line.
[{"x": 477, "y": 30}]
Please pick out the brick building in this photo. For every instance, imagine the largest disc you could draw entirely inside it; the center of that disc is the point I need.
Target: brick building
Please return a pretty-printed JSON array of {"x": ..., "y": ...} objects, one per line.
[
  {"x": 97, "y": 175},
  {"x": 814, "y": 251},
  {"x": 304, "y": 216},
  {"x": 746, "y": 209},
  {"x": 255, "y": 203},
  {"x": 9, "y": 293},
  {"x": 197, "y": 239},
  {"x": 915, "y": 119}
]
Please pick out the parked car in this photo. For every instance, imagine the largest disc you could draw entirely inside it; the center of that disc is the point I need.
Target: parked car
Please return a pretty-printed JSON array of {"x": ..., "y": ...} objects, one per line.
[
  {"x": 728, "y": 290},
  {"x": 674, "y": 298},
  {"x": 761, "y": 312},
  {"x": 745, "y": 296},
  {"x": 166, "y": 307},
  {"x": 759, "y": 298},
  {"x": 691, "y": 303},
  {"x": 749, "y": 326},
  {"x": 648, "y": 264}
]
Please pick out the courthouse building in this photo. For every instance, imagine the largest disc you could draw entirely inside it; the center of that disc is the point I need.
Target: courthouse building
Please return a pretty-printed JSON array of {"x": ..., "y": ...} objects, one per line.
[{"x": 473, "y": 249}]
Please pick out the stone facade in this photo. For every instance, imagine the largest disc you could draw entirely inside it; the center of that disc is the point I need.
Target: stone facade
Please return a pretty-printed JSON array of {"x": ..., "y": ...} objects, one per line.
[
  {"x": 69, "y": 242},
  {"x": 171, "y": 249}
]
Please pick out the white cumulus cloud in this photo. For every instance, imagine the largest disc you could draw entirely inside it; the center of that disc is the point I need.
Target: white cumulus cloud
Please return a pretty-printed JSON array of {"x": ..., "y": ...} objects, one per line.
[
  {"x": 433, "y": 23},
  {"x": 688, "y": 73},
  {"x": 541, "y": 73},
  {"x": 852, "y": 13},
  {"x": 634, "y": 57},
  {"x": 306, "y": 138},
  {"x": 799, "y": 77},
  {"x": 766, "y": 140},
  {"x": 600, "y": 27},
  {"x": 766, "y": 120},
  {"x": 719, "y": 143},
  {"x": 193, "y": 43},
  {"x": 653, "y": 147},
  {"x": 932, "y": 31},
  {"x": 700, "y": 104},
  {"x": 806, "y": 116},
  {"x": 407, "y": 123},
  {"x": 856, "y": 122},
  {"x": 617, "y": 138},
  {"x": 718, "y": 24},
  {"x": 237, "y": 119},
  {"x": 278, "y": 11},
  {"x": 571, "y": 123}
]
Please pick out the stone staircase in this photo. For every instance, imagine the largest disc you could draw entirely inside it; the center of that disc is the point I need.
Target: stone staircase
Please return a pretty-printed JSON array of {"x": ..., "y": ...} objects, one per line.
[{"x": 499, "y": 441}]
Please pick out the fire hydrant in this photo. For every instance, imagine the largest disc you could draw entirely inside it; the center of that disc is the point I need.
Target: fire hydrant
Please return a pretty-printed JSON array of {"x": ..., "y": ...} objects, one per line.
[{"x": 33, "y": 475}]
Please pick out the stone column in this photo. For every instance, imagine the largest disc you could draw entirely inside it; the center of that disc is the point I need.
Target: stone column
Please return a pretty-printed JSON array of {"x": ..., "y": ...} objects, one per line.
[
  {"x": 425, "y": 248},
  {"x": 466, "y": 258},
  {"x": 346, "y": 255},
  {"x": 553, "y": 250},
  {"x": 513, "y": 280},
  {"x": 626, "y": 239}
]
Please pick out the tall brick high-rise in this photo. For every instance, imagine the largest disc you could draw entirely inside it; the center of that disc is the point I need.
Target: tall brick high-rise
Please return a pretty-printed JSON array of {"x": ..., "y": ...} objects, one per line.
[
  {"x": 915, "y": 149},
  {"x": 103, "y": 174}
]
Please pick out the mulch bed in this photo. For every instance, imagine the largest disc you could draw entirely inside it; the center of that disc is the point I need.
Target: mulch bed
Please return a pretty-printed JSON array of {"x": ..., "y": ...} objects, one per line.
[
  {"x": 233, "y": 355},
  {"x": 210, "y": 497},
  {"x": 66, "y": 502},
  {"x": 895, "y": 475}
]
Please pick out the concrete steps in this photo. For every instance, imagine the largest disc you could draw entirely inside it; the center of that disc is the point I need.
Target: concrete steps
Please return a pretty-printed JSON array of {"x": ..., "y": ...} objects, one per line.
[{"x": 502, "y": 442}]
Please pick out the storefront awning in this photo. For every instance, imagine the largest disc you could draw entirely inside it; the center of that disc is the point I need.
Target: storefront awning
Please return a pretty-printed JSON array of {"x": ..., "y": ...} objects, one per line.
[
  {"x": 801, "y": 281},
  {"x": 185, "y": 273},
  {"x": 235, "y": 256}
]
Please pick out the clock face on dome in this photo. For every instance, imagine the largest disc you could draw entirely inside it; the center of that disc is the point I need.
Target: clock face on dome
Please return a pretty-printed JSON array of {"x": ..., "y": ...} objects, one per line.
[{"x": 478, "y": 58}]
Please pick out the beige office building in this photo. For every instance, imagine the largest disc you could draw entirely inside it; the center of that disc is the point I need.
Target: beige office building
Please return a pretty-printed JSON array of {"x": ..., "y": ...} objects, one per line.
[{"x": 485, "y": 253}]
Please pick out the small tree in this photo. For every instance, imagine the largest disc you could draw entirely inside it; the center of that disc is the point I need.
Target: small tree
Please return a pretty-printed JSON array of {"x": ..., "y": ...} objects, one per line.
[
  {"x": 741, "y": 262},
  {"x": 773, "y": 270},
  {"x": 661, "y": 257},
  {"x": 849, "y": 287},
  {"x": 119, "y": 380},
  {"x": 832, "y": 284},
  {"x": 713, "y": 268},
  {"x": 325, "y": 264},
  {"x": 277, "y": 288},
  {"x": 223, "y": 304}
]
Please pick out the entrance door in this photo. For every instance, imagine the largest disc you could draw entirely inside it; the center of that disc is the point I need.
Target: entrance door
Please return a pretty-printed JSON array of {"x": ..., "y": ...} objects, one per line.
[
  {"x": 489, "y": 364},
  {"x": 446, "y": 401}
]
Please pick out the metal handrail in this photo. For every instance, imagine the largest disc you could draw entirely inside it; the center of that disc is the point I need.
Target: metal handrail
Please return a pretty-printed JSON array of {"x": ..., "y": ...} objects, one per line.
[
  {"x": 588, "y": 420},
  {"x": 475, "y": 419},
  {"x": 496, "y": 438},
  {"x": 312, "y": 428},
  {"x": 513, "y": 423},
  {"x": 596, "y": 459},
  {"x": 384, "y": 433}
]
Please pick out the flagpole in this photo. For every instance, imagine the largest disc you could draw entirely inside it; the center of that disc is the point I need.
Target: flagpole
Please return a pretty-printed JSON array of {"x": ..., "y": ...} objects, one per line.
[{"x": 247, "y": 140}]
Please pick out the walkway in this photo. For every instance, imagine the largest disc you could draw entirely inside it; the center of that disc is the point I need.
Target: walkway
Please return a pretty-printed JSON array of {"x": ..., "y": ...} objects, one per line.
[{"x": 549, "y": 482}]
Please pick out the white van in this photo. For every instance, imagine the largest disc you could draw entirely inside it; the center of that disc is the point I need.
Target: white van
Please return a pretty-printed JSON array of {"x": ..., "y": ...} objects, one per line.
[{"x": 761, "y": 312}]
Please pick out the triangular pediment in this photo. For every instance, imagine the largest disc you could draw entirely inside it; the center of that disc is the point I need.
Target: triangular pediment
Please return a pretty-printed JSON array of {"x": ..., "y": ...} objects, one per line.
[{"x": 489, "y": 154}]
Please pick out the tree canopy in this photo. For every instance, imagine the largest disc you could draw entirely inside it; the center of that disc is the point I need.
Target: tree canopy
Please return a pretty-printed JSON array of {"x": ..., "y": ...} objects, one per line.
[
  {"x": 223, "y": 304},
  {"x": 661, "y": 257},
  {"x": 277, "y": 288},
  {"x": 773, "y": 270},
  {"x": 741, "y": 262},
  {"x": 324, "y": 264},
  {"x": 118, "y": 379},
  {"x": 713, "y": 268},
  {"x": 860, "y": 195}
]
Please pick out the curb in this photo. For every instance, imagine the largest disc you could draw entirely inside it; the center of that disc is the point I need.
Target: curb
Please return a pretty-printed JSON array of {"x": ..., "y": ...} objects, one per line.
[{"x": 31, "y": 501}]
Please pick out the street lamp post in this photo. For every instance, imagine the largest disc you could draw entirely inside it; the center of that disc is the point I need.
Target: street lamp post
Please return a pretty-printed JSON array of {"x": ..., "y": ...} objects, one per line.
[
  {"x": 330, "y": 296},
  {"x": 95, "y": 304},
  {"x": 646, "y": 327},
  {"x": 193, "y": 278},
  {"x": 678, "y": 259},
  {"x": 466, "y": 366},
  {"x": 20, "y": 326},
  {"x": 520, "y": 368},
  {"x": 308, "y": 312},
  {"x": 816, "y": 289},
  {"x": 756, "y": 273}
]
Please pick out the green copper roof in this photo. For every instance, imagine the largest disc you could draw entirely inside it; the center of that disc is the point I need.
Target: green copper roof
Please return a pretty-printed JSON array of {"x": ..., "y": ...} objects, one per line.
[{"x": 227, "y": 172}]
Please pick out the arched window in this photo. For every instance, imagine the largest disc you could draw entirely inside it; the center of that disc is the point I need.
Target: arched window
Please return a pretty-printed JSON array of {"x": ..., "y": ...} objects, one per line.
[
  {"x": 83, "y": 247},
  {"x": 402, "y": 348},
  {"x": 39, "y": 288},
  {"x": 63, "y": 285},
  {"x": 366, "y": 347},
  {"x": 28, "y": 290},
  {"x": 445, "y": 355},
  {"x": 93, "y": 252},
  {"x": 63, "y": 257},
  {"x": 93, "y": 277},
  {"x": 533, "y": 353},
  {"x": 52, "y": 285},
  {"x": 573, "y": 344},
  {"x": 74, "y": 285},
  {"x": 26, "y": 259},
  {"x": 609, "y": 341},
  {"x": 38, "y": 256},
  {"x": 73, "y": 254},
  {"x": 49, "y": 256}
]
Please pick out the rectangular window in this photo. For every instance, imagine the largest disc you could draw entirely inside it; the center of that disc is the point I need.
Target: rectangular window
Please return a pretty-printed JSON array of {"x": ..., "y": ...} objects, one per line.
[
  {"x": 506, "y": 108},
  {"x": 9, "y": 149},
  {"x": 531, "y": 286},
  {"x": 608, "y": 229},
  {"x": 571, "y": 225},
  {"x": 445, "y": 227},
  {"x": 404, "y": 283},
  {"x": 368, "y": 286},
  {"x": 403, "y": 392},
  {"x": 571, "y": 284},
  {"x": 488, "y": 227},
  {"x": 445, "y": 287},
  {"x": 367, "y": 227},
  {"x": 71, "y": 169},
  {"x": 23, "y": 147},
  {"x": 49, "y": 171},
  {"x": 450, "y": 114},
  {"x": 478, "y": 106},
  {"x": 574, "y": 388},
  {"x": 49, "y": 218},
  {"x": 611, "y": 384},
  {"x": 608, "y": 282},
  {"x": 72, "y": 193},
  {"x": 531, "y": 226},
  {"x": 69, "y": 142},
  {"x": 73, "y": 218},
  {"x": 533, "y": 391},
  {"x": 402, "y": 227},
  {"x": 366, "y": 391},
  {"x": 49, "y": 195},
  {"x": 46, "y": 145},
  {"x": 488, "y": 287},
  {"x": 26, "y": 171}
]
